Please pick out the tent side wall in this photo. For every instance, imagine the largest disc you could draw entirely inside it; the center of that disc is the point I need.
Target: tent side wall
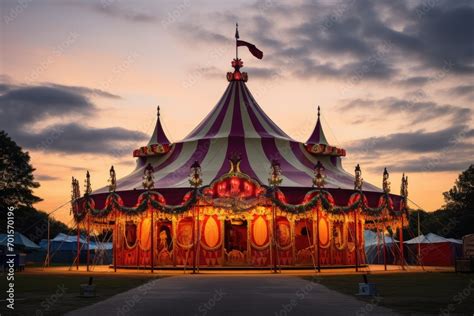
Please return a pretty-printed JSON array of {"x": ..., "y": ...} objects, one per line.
[{"x": 435, "y": 254}]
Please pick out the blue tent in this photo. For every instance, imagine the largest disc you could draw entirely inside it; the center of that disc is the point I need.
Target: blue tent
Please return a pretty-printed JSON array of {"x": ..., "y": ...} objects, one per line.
[
  {"x": 64, "y": 250},
  {"x": 20, "y": 242},
  {"x": 63, "y": 242},
  {"x": 374, "y": 248}
]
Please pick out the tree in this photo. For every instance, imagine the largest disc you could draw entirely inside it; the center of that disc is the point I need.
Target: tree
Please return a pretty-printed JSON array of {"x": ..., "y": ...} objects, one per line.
[
  {"x": 16, "y": 175},
  {"x": 34, "y": 224},
  {"x": 456, "y": 218},
  {"x": 461, "y": 196},
  {"x": 16, "y": 189}
]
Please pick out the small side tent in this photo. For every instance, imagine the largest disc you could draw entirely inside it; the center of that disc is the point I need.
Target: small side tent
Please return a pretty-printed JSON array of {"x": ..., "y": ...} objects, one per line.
[
  {"x": 434, "y": 250},
  {"x": 374, "y": 248}
]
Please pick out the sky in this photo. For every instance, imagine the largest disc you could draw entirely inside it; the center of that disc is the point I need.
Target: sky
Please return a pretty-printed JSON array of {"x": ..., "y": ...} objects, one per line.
[{"x": 80, "y": 82}]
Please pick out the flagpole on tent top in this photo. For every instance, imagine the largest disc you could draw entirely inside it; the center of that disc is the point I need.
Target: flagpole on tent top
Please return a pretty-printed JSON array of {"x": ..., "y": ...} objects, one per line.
[{"x": 236, "y": 38}]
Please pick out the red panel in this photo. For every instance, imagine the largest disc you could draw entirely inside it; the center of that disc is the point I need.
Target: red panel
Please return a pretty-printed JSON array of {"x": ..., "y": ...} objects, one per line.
[{"x": 439, "y": 254}]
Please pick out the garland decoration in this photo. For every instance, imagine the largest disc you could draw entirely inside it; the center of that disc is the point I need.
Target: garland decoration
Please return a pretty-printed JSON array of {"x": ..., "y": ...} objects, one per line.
[
  {"x": 146, "y": 199},
  {"x": 320, "y": 197},
  {"x": 154, "y": 199}
]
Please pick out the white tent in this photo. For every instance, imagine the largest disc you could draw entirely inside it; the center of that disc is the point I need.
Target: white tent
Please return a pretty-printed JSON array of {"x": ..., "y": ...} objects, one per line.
[
  {"x": 433, "y": 250},
  {"x": 431, "y": 238}
]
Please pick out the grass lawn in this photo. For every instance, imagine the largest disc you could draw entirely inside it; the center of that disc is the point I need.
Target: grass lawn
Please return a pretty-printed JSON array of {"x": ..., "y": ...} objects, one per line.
[
  {"x": 428, "y": 292},
  {"x": 55, "y": 294}
]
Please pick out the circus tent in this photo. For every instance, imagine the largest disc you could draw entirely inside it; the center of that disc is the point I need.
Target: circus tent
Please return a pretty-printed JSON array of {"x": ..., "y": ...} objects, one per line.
[{"x": 238, "y": 190}]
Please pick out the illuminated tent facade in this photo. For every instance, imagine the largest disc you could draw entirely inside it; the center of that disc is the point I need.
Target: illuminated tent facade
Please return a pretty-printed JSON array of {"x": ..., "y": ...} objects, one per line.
[{"x": 238, "y": 191}]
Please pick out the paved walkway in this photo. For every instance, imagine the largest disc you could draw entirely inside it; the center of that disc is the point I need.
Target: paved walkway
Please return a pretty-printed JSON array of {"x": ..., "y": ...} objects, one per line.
[{"x": 276, "y": 295}]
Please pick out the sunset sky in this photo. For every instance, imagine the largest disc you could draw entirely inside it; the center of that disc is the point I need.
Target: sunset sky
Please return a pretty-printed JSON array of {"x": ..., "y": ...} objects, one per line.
[{"x": 80, "y": 82}]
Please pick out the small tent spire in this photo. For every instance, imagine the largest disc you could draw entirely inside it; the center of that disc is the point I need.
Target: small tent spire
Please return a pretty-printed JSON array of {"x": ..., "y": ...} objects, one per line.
[
  {"x": 317, "y": 137},
  {"x": 159, "y": 136}
]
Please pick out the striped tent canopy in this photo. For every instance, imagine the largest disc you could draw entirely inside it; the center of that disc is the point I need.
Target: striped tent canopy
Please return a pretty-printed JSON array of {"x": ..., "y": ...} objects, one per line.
[{"x": 237, "y": 125}]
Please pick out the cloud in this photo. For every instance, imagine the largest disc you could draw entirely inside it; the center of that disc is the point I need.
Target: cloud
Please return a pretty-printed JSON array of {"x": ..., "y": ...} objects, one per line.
[
  {"x": 44, "y": 177},
  {"x": 338, "y": 39},
  {"x": 86, "y": 91},
  {"x": 414, "y": 81},
  {"x": 415, "y": 108},
  {"x": 427, "y": 164},
  {"x": 446, "y": 34},
  {"x": 449, "y": 149},
  {"x": 199, "y": 35},
  {"x": 25, "y": 105},
  {"x": 448, "y": 139},
  {"x": 463, "y": 91},
  {"x": 264, "y": 73},
  {"x": 22, "y": 107},
  {"x": 353, "y": 72},
  {"x": 115, "y": 9},
  {"x": 76, "y": 138}
]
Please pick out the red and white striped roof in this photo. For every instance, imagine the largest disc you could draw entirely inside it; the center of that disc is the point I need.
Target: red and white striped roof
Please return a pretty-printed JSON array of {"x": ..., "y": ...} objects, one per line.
[{"x": 238, "y": 125}]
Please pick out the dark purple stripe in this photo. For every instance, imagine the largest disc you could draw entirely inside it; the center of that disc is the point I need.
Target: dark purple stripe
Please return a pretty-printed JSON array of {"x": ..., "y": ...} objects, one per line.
[
  {"x": 253, "y": 117},
  {"x": 177, "y": 148},
  {"x": 216, "y": 126},
  {"x": 205, "y": 122},
  {"x": 236, "y": 145},
  {"x": 257, "y": 108},
  {"x": 295, "y": 147},
  {"x": 288, "y": 170},
  {"x": 315, "y": 137},
  {"x": 237, "y": 128},
  {"x": 183, "y": 172},
  {"x": 160, "y": 134}
]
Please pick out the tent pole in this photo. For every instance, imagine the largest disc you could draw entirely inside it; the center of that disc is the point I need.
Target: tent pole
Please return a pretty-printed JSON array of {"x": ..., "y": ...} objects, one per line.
[
  {"x": 78, "y": 249},
  {"x": 274, "y": 240},
  {"x": 88, "y": 242},
  {"x": 194, "y": 239},
  {"x": 317, "y": 238},
  {"x": 419, "y": 233},
  {"x": 197, "y": 254},
  {"x": 49, "y": 243},
  {"x": 402, "y": 257},
  {"x": 384, "y": 250},
  {"x": 356, "y": 243},
  {"x": 152, "y": 244},
  {"x": 115, "y": 241}
]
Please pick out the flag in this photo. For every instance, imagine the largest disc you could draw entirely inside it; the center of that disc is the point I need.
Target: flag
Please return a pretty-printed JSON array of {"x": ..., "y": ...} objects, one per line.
[{"x": 252, "y": 48}]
